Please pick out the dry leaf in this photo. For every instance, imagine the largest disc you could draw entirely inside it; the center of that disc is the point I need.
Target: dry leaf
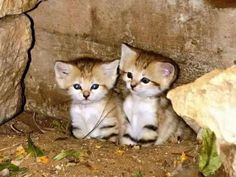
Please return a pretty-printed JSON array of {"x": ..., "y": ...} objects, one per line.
[
  {"x": 183, "y": 157},
  {"x": 42, "y": 159},
  {"x": 98, "y": 146},
  {"x": 20, "y": 151},
  {"x": 119, "y": 152}
]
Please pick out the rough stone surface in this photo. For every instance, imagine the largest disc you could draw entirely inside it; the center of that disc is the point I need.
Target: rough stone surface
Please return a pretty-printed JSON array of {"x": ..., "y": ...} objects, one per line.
[
  {"x": 15, "y": 40},
  {"x": 199, "y": 35},
  {"x": 9, "y": 7},
  {"x": 211, "y": 102},
  {"x": 228, "y": 157}
]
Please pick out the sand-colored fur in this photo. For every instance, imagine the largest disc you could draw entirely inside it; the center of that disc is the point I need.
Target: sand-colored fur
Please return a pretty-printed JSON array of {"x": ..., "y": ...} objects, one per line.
[
  {"x": 150, "y": 116},
  {"x": 95, "y": 109}
]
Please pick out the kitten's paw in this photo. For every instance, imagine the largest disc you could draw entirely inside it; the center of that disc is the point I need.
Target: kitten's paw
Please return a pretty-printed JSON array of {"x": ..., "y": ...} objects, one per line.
[
  {"x": 77, "y": 133},
  {"x": 127, "y": 141},
  {"x": 159, "y": 141}
]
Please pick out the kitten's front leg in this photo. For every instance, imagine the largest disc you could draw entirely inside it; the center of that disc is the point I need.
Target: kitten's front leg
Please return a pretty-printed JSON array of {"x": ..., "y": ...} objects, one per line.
[
  {"x": 168, "y": 127},
  {"x": 77, "y": 132},
  {"x": 78, "y": 123}
]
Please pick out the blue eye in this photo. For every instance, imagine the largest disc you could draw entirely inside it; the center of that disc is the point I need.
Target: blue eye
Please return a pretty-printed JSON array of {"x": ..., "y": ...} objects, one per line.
[
  {"x": 129, "y": 75},
  {"x": 77, "y": 86},
  {"x": 94, "y": 86},
  {"x": 145, "y": 80}
]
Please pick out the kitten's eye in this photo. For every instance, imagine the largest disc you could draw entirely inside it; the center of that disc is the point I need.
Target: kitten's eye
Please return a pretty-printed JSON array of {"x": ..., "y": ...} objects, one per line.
[
  {"x": 94, "y": 86},
  {"x": 145, "y": 80},
  {"x": 129, "y": 75},
  {"x": 77, "y": 86}
]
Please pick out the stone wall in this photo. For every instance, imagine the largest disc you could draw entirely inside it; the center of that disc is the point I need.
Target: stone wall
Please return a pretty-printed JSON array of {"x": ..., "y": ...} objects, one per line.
[
  {"x": 199, "y": 35},
  {"x": 15, "y": 40}
]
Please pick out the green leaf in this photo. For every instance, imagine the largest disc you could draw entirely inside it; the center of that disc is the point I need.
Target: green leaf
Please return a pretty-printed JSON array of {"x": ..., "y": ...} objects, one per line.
[
  {"x": 138, "y": 174},
  {"x": 12, "y": 168},
  {"x": 209, "y": 160},
  {"x": 67, "y": 153},
  {"x": 33, "y": 149}
]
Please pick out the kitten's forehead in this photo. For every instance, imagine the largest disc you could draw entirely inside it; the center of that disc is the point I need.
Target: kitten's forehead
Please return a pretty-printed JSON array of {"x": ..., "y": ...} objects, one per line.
[
  {"x": 87, "y": 67},
  {"x": 140, "y": 62}
]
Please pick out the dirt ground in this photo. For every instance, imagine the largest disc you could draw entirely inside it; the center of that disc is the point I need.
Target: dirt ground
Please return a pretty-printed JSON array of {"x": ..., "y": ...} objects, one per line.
[{"x": 98, "y": 158}]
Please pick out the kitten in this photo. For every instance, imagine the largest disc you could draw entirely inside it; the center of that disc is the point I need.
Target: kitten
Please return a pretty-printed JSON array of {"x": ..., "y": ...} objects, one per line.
[
  {"x": 95, "y": 111},
  {"x": 150, "y": 116}
]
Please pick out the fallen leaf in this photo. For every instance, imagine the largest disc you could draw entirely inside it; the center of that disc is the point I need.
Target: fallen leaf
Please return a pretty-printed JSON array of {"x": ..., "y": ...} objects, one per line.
[
  {"x": 138, "y": 174},
  {"x": 67, "y": 153},
  {"x": 13, "y": 169},
  {"x": 119, "y": 152},
  {"x": 98, "y": 146},
  {"x": 209, "y": 160},
  {"x": 42, "y": 159},
  {"x": 33, "y": 149},
  {"x": 183, "y": 157},
  {"x": 20, "y": 152}
]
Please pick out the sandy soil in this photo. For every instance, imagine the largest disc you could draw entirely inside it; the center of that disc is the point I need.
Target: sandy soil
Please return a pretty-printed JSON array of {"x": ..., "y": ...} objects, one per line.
[{"x": 98, "y": 158}]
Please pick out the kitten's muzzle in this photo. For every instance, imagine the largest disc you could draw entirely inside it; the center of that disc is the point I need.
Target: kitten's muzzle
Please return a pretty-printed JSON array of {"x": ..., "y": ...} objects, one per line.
[
  {"x": 133, "y": 84},
  {"x": 86, "y": 94}
]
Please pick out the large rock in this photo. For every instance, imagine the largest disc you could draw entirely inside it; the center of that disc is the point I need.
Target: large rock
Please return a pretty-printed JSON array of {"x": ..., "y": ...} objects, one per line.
[
  {"x": 9, "y": 7},
  {"x": 211, "y": 102},
  {"x": 15, "y": 40},
  {"x": 198, "y": 36}
]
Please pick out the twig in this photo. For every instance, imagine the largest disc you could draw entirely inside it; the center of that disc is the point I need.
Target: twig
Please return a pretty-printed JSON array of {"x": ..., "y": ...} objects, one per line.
[
  {"x": 36, "y": 124},
  {"x": 12, "y": 126},
  {"x": 14, "y": 145}
]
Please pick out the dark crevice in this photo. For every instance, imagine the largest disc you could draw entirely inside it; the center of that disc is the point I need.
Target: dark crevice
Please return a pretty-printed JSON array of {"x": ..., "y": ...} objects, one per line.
[
  {"x": 222, "y": 3},
  {"x": 23, "y": 100}
]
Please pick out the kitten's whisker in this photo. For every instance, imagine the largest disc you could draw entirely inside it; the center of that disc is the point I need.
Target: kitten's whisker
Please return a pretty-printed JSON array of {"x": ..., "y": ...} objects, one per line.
[{"x": 101, "y": 118}]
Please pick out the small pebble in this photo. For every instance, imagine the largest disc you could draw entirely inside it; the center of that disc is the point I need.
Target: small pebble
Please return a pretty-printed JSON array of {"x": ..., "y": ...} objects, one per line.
[
  {"x": 136, "y": 147},
  {"x": 5, "y": 172}
]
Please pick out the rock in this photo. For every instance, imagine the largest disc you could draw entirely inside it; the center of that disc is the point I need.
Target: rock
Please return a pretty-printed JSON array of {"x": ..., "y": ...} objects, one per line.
[
  {"x": 15, "y": 40},
  {"x": 210, "y": 101},
  {"x": 9, "y": 7},
  {"x": 228, "y": 157},
  {"x": 198, "y": 36}
]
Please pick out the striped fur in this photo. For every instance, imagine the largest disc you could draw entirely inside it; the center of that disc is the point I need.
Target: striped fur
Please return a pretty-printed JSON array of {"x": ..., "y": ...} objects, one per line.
[
  {"x": 150, "y": 117},
  {"x": 95, "y": 111}
]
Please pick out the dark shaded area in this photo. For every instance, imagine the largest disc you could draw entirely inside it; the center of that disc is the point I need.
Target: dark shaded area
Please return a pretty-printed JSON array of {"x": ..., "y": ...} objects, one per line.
[{"x": 222, "y": 3}]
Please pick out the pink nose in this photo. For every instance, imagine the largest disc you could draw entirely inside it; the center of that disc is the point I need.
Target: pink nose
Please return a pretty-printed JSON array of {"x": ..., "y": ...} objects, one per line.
[
  {"x": 133, "y": 84},
  {"x": 86, "y": 94}
]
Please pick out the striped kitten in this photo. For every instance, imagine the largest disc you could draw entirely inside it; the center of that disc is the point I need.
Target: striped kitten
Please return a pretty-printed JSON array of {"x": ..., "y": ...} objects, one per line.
[
  {"x": 150, "y": 117},
  {"x": 95, "y": 111}
]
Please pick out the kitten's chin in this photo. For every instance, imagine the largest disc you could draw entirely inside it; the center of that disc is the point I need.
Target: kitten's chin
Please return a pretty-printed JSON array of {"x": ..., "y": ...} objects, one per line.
[
  {"x": 145, "y": 94},
  {"x": 85, "y": 102}
]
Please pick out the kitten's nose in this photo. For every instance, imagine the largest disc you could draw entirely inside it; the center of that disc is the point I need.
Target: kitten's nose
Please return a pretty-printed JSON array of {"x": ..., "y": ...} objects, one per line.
[
  {"x": 133, "y": 84},
  {"x": 86, "y": 94}
]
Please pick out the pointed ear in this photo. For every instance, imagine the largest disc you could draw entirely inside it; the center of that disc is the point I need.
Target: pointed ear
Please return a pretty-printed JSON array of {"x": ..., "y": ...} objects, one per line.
[
  {"x": 126, "y": 54},
  {"x": 167, "y": 70},
  {"x": 62, "y": 72},
  {"x": 166, "y": 73},
  {"x": 110, "y": 68}
]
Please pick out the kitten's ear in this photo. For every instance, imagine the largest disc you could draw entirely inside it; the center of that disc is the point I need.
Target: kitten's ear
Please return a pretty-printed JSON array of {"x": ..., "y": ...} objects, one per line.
[
  {"x": 166, "y": 72},
  {"x": 110, "y": 68},
  {"x": 62, "y": 72},
  {"x": 167, "y": 69},
  {"x": 126, "y": 54}
]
